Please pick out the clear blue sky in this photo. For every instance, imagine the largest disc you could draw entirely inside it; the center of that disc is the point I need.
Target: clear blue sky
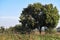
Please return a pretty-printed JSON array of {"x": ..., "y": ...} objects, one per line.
[{"x": 10, "y": 9}]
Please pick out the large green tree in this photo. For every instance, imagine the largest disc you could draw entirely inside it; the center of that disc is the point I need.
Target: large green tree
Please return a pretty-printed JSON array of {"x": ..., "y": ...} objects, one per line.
[{"x": 37, "y": 15}]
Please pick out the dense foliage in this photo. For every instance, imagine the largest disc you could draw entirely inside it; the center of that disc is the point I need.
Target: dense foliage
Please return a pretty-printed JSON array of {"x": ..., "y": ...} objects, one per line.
[{"x": 37, "y": 15}]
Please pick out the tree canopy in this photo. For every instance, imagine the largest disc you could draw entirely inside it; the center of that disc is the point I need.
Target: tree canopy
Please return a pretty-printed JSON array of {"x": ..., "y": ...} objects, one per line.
[{"x": 37, "y": 15}]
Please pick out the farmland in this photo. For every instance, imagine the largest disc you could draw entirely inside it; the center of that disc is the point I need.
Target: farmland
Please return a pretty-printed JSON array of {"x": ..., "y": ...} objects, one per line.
[{"x": 12, "y": 36}]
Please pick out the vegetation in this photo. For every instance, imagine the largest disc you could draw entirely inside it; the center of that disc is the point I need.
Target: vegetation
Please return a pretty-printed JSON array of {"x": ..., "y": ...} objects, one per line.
[{"x": 29, "y": 37}]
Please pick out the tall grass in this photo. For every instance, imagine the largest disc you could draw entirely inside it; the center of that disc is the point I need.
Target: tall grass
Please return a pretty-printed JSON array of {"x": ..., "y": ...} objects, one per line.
[{"x": 12, "y": 36}]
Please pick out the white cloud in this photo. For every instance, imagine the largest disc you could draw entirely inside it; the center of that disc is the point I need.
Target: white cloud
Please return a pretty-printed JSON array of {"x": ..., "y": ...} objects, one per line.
[
  {"x": 8, "y": 21},
  {"x": 8, "y": 17}
]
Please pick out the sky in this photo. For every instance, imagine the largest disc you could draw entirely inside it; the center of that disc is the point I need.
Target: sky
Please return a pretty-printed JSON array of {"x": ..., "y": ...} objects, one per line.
[{"x": 10, "y": 10}]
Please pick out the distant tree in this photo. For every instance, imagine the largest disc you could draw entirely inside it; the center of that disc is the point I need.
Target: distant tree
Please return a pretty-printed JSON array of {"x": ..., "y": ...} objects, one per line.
[
  {"x": 37, "y": 15},
  {"x": 17, "y": 28},
  {"x": 2, "y": 29}
]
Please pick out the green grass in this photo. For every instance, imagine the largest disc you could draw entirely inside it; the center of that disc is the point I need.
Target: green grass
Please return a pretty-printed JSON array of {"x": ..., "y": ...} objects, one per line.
[{"x": 29, "y": 37}]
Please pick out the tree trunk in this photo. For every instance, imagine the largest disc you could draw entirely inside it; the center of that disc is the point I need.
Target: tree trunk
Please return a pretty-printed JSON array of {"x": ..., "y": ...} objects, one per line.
[{"x": 39, "y": 28}]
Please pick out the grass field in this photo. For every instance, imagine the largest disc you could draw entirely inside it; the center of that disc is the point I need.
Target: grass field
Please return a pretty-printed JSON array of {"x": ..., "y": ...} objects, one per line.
[{"x": 29, "y": 37}]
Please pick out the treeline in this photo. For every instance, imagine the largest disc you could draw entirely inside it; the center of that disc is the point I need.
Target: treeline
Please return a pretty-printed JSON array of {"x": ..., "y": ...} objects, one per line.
[{"x": 15, "y": 29}]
